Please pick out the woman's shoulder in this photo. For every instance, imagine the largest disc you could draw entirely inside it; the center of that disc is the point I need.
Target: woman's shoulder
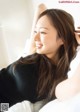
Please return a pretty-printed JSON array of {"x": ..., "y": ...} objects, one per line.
[{"x": 27, "y": 62}]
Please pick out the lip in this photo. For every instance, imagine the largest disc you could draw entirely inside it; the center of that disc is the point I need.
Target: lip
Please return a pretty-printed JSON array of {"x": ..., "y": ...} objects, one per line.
[{"x": 39, "y": 46}]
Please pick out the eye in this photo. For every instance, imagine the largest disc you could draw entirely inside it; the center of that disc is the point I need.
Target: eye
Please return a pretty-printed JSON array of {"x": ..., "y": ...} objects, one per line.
[
  {"x": 35, "y": 31},
  {"x": 43, "y": 32}
]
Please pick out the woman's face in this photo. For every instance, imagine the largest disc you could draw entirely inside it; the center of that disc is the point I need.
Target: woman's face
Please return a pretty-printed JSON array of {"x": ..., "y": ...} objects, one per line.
[{"x": 46, "y": 38}]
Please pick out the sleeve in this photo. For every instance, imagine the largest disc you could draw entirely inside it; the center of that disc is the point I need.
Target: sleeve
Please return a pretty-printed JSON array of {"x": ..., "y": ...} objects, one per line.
[
  {"x": 8, "y": 88},
  {"x": 18, "y": 84},
  {"x": 26, "y": 76}
]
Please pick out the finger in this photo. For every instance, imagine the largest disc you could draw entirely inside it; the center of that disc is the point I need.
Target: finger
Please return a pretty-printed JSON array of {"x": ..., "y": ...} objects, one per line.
[
  {"x": 78, "y": 27},
  {"x": 77, "y": 37},
  {"x": 77, "y": 31}
]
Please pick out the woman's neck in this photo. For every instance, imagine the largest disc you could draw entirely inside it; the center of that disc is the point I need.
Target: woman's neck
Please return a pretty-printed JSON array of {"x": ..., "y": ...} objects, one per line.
[{"x": 54, "y": 58}]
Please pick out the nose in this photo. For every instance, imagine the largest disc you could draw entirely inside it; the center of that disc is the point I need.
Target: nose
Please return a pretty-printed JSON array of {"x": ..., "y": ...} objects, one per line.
[{"x": 37, "y": 36}]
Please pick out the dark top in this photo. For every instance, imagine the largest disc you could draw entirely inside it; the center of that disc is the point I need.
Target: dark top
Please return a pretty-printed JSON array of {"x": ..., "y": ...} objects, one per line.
[{"x": 19, "y": 83}]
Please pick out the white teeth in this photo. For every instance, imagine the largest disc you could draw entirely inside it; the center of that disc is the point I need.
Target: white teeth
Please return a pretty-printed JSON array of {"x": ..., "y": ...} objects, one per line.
[{"x": 38, "y": 46}]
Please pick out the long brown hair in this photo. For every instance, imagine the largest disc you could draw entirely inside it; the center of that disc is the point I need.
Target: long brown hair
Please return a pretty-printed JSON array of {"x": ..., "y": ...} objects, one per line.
[{"x": 51, "y": 74}]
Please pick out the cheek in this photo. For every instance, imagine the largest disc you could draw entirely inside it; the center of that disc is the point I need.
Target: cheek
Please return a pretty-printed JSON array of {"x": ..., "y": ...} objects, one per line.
[
  {"x": 44, "y": 39},
  {"x": 50, "y": 44},
  {"x": 49, "y": 40}
]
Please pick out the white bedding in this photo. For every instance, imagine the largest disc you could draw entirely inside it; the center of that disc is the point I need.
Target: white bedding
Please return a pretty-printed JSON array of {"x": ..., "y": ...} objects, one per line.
[
  {"x": 27, "y": 106},
  {"x": 71, "y": 105}
]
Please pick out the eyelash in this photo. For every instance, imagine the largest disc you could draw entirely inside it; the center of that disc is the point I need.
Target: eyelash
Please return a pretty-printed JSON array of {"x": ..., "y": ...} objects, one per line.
[
  {"x": 40, "y": 32},
  {"x": 43, "y": 32}
]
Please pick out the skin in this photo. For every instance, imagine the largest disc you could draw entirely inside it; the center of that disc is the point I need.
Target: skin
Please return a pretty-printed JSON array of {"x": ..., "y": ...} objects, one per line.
[
  {"x": 77, "y": 33},
  {"x": 69, "y": 87},
  {"x": 45, "y": 38}
]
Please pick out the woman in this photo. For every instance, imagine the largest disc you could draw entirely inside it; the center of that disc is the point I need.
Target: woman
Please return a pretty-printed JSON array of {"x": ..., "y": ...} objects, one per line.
[
  {"x": 35, "y": 77},
  {"x": 68, "y": 91}
]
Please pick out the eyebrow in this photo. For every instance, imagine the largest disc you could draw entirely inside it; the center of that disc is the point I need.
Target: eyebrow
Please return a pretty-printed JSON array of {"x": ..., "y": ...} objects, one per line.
[{"x": 43, "y": 27}]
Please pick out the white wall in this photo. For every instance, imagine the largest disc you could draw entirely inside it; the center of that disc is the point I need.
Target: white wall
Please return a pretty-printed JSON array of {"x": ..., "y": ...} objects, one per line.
[{"x": 15, "y": 26}]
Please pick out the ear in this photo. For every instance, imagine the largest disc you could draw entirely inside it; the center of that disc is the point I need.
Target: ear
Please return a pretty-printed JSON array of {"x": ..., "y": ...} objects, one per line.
[{"x": 61, "y": 41}]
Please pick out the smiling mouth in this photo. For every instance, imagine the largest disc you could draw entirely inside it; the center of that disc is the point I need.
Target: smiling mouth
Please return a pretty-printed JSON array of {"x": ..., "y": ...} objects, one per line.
[{"x": 39, "y": 46}]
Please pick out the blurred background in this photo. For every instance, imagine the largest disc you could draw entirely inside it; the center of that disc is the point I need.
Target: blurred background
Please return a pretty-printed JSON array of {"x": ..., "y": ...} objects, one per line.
[{"x": 16, "y": 17}]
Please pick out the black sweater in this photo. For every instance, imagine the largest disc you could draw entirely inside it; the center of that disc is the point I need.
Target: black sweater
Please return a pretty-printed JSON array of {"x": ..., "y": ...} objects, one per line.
[{"x": 19, "y": 83}]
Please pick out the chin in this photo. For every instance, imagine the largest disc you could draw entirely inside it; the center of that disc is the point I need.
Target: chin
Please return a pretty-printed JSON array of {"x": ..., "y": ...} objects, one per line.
[{"x": 39, "y": 52}]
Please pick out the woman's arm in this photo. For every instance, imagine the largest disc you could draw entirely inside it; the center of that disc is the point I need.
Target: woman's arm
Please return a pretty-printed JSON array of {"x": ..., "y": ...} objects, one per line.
[
  {"x": 69, "y": 87},
  {"x": 39, "y": 10},
  {"x": 18, "y": 82}
]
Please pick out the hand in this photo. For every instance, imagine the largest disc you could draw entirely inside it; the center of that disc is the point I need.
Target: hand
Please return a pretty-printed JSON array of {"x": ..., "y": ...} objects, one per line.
[
  {"x": 41, "y": 7},
  {"x": 77, "y": 33}
]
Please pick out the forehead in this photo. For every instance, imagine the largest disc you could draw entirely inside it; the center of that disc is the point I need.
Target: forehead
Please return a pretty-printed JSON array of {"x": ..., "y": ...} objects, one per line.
[{"x": 44, "y": 21}]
